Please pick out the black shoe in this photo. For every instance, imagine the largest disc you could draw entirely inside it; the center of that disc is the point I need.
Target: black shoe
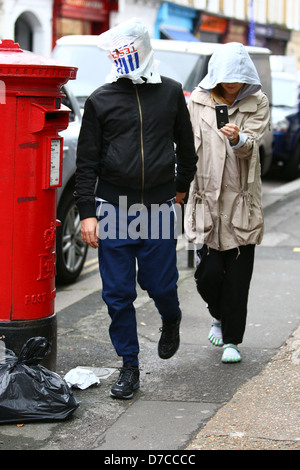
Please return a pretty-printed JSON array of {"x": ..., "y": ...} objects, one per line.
[
  {"x": 127, "y": 382},
  {"x": 169, "y": 340}
]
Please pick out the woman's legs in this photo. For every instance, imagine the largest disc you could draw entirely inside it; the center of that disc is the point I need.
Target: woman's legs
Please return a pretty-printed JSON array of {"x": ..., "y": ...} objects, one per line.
[
  {"x": 209, "y": 278},
  {"x": 238, "y": 269},
  {"x": 223, "y": 280}
]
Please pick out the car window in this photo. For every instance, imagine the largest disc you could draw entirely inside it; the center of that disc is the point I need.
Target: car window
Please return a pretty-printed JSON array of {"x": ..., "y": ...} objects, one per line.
[
  {"x": 93, "y": 67},
  {"x": 261, "y": 62},
  {"x": 198, "y": 73},
  {"x": 177, "y": 65}
]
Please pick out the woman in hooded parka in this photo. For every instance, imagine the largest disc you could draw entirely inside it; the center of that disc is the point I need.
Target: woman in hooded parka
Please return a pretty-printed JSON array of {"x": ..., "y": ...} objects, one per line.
[{"x": 224, "y": 211}]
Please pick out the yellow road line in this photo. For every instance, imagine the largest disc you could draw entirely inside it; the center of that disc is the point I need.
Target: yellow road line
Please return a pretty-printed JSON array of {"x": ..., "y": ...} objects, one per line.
[{"x": 93, "y": 263}]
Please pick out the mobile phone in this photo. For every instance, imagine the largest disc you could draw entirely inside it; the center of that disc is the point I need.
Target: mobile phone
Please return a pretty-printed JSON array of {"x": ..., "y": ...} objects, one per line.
[{"x": 221, "y": 115}]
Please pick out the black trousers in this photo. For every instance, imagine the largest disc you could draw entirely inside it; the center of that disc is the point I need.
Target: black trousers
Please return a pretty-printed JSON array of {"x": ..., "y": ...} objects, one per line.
[{"x": 223, "y": 280}]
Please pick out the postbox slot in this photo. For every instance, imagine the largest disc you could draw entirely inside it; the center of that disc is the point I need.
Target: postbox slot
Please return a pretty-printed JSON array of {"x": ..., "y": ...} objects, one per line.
[
  {"x": 51, "y": 115},
  {"x": 55, "y": 119},
  {"x": 45, "y": 118}
]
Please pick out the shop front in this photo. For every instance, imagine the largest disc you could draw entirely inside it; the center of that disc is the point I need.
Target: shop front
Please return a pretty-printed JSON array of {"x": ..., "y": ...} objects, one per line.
[
  {"x": 175, "y": 22},
  {"x": 211, "y": 28},
  {"x": 237, "y": 31},
  {"x": 273, "y": 37},
  {"x": 219, "y": 29},
  {"x": 81, "y": 16}
]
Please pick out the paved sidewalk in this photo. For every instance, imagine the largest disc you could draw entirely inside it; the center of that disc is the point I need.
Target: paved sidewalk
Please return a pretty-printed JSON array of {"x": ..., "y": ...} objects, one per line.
[
  {"x": 192, "y": 401},
  {"x": 264, "y": 414}
]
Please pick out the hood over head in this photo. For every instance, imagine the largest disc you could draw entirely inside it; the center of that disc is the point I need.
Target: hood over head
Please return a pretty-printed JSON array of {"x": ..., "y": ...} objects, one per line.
[
  {"x": 129, "y": 48},
  {"x": 231, "y": 63}
]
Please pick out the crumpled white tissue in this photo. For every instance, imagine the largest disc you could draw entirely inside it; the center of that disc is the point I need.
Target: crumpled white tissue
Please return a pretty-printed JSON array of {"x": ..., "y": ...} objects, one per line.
[{"x": 81, "y": 377}]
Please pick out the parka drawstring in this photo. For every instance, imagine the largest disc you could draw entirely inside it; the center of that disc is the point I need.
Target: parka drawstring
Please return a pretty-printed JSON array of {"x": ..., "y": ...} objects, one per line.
[{"x": 197, "y": 199}]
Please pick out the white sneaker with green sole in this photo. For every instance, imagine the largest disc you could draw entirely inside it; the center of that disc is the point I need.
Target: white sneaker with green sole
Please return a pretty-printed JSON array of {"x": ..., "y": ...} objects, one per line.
[
  {"x": 215, "y": 334},
  {"x": 231, "y": 354}
]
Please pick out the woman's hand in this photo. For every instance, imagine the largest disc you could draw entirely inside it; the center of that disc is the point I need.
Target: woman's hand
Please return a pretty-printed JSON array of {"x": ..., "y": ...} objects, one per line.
[
  {"x": 89, "y": 231},
  {"x": 231, "y": 131}
]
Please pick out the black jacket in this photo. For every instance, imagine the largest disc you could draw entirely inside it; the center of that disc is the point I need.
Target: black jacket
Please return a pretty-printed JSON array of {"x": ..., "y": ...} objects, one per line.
[{"x": 126, "y": 145}]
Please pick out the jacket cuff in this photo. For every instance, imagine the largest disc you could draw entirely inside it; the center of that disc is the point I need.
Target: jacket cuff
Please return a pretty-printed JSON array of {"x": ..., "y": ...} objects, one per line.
[
  {"x": 86, "y": 210},
  {"x": 181, "y": 187},
  {"x": 242, "y": 140}
]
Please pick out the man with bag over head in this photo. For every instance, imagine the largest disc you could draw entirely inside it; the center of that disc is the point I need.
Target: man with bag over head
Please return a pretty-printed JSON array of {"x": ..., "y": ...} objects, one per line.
[
  {"x": 126, "y": 145},
  {"x": 224, "y": 211}
]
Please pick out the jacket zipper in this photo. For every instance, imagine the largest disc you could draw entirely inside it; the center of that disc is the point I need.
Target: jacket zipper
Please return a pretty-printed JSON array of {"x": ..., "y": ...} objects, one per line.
[{"x": 142, "y": 144}]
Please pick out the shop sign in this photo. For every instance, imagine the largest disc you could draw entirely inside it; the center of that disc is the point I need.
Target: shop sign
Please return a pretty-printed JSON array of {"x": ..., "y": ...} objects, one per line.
[
  {"x": 91, "y": 10},
  {"x": 263, "y": 30},
  {"x": 91, "y": 4},
  {"x": 272, "y": 32},
  {"x": 213, "y": 24}
]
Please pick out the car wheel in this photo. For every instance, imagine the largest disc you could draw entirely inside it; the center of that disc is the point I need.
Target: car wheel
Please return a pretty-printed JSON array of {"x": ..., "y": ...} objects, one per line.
[{"x": 71, "y": 251}]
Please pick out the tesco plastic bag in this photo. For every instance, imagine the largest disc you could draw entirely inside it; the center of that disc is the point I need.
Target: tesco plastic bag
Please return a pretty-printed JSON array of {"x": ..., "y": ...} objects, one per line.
[
  {"x": 128, "y": 46},
  {"x": 29, "y": 391}
]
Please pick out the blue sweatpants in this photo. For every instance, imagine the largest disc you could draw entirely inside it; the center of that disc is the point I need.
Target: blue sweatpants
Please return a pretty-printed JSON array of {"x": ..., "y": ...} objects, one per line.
[{"x": 136, "y": 247}]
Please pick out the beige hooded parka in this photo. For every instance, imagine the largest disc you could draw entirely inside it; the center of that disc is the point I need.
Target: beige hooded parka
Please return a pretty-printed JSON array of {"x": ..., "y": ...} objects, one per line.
[{"x": 224, "y": 208}]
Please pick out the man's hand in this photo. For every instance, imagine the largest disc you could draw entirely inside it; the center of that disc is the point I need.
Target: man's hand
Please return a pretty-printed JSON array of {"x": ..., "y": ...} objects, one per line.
[
  {"x": 89, "y": 231},
  {"x": 180, "y": 198}
]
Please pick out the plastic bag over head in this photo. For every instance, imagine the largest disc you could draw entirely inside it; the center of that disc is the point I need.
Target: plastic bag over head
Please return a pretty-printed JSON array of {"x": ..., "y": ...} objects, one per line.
[
  {"x": 129, "y": 48},
  {"x": 29, "y": 391}
]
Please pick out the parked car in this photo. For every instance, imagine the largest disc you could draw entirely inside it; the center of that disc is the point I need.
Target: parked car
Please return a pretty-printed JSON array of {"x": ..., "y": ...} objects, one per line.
[
  {"x": 285, "y": 116},
  {"x": 71, "y": 251},
  {"x": 185, "y": 62}
]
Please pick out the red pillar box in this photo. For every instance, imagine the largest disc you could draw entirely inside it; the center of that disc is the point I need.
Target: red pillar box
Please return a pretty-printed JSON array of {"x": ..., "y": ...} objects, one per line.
[{"x": 30, "y": 171}]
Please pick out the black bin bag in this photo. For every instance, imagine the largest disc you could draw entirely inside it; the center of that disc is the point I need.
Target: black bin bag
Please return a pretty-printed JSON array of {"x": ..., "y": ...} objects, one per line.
[{"x": 30, "y": 392}]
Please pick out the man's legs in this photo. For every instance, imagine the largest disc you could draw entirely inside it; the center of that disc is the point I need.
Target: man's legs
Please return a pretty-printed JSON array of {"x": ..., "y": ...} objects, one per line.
[
  {"x": 158, "y": 274},
  {"x": 118, "y": 273},
  {"x": 117, "y": 264}
]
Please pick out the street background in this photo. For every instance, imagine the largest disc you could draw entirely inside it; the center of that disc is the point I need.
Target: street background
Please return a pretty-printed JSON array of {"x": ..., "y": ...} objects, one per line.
[{"x": 191, "y": 401}]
